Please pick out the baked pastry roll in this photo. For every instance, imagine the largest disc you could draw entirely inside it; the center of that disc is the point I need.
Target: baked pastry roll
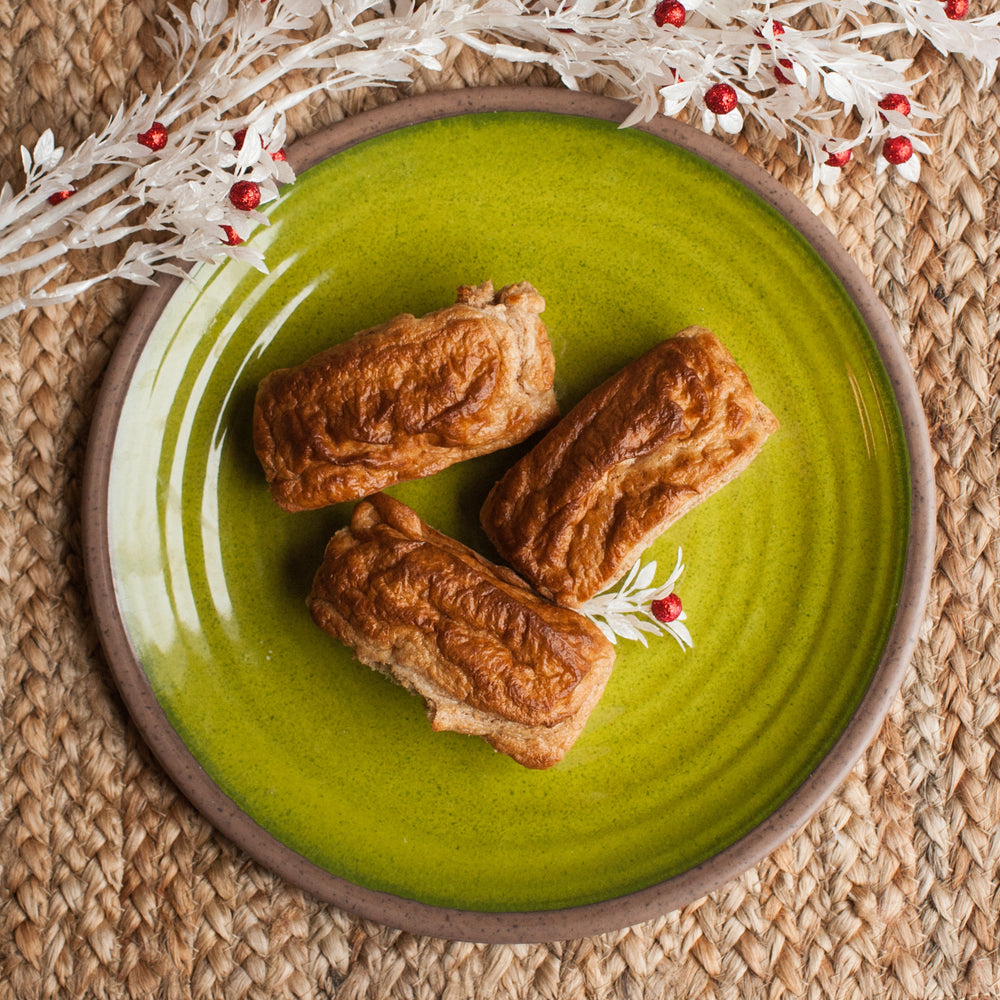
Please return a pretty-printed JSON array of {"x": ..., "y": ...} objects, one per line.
[
  {"x": 488, "y": 656},
  {"x": 667, "y": 431},
  {"x": 407, "y": 398}
]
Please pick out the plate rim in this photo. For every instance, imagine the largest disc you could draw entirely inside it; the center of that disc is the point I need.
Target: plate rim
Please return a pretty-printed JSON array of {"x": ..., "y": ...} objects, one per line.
[{"x": 588, "y": 919}]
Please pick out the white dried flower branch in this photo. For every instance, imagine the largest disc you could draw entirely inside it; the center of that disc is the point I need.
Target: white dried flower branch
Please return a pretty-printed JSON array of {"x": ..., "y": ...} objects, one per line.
[
  {"x": 172, "y": 204},
  {"x": 625, "y": 610}
]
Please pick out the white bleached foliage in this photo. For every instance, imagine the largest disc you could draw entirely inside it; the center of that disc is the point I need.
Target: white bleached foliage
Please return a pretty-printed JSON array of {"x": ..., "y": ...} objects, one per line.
[
  {"x": 624, "y": 611},
  {"x": 169, "y": 207}
]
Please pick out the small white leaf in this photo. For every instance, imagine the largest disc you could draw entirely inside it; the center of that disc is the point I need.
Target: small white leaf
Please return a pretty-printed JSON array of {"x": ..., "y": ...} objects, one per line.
[
  {"x": 139, "y": 277},
  {"x": 678, "y": 569},
  {"x": 431, "y": 46},
  {"x": 680, "y": 632},
  {"x": 215, "y": 11},
  {"x": 44, "y": 146},
  {"x": 829, "y": 175},
  {"x": 284, "y": 172},
  {"x": 630, "y": 576},
  {"x": 839, "y": 88},
  {"x": 626, "y": 630},
  {"x": 731, "y": 122},
  {"x": 49, "y": 276},
  {"x": 652, "y": 626},
  {"x": 250, "y": 151},
  {"x": 177, "y": 272},
  {"x": 876, "y": 30},
  {"x": 910, "y": 169},
  {"x": 645, "y": 578},
  {"x": 111, "y": 235},
  {"x": 606, "y": 632}
]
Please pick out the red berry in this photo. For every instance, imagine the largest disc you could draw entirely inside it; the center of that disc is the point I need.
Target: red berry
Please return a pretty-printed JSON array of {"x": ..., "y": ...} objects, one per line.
[
  {"x": 670, "y": 12},
  {"x": 839, "y": 159},
  {"x": 895, "y": 102},
  {"x": 245, "y": 195},
  {"x": 279, "y": 155},
  {"x": 58, "y": 196},
  {"x": 233, "y": 239},
  {"x": 721, "y": 98},
  {"x": 956, "y": 9},
  {"x": 778, "y": 75},
  {"x": 898, "y": 149},
  {"x": 666, "y": 609},
  {"x": 156, "y": 138}
]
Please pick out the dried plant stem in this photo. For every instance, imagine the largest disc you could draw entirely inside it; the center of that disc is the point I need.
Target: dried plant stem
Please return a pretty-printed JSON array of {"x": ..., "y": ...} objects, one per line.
[{"x": 784, "y": 78}]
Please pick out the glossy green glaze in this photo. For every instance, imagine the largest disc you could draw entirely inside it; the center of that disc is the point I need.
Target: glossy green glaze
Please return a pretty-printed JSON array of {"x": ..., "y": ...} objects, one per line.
[{"x": 792, "y": 572}]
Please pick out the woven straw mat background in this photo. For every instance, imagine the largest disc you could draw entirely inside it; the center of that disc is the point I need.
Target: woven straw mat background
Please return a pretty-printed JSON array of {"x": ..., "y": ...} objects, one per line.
[{"x": 112, "y": 886}]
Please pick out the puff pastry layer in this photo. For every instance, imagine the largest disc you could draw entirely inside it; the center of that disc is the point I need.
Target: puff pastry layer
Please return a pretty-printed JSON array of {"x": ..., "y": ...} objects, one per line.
[
  {"x": 634, "y": 455},
  {"x": 488, "y": 656},
  {"x": 407, "y": 398}
]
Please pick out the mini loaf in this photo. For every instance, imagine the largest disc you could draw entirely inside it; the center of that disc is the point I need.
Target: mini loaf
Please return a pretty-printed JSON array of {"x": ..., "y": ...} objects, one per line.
[
  {"x": 488, "y": 656},
  {"x": 407, "y": 398},
  {"x": 642, "y": 449}
]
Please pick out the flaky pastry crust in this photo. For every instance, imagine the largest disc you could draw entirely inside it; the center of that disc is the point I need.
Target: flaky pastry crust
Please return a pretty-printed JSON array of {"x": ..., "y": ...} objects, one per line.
[
  {"x": 407, "y": 398},
  {"x": 488, "y": 656},
  {"x": 633, "y": 456}
]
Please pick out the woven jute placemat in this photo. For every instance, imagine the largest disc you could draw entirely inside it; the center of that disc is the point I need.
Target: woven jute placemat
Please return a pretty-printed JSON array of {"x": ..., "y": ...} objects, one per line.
[{"x": 112, "y": 886}]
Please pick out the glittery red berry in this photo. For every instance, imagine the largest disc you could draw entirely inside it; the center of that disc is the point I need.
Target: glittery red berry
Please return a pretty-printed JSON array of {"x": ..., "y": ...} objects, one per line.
[
  {"x": 156, "y": 138},
  {"x": 233, "y": 239},
  {"x": 666, "y": 609},
  {"x": 778, "y": 75},
  {"x": 721, "y": 98},
  {"x": 895, "y": 102},
  {"x": 671, "y": 12},
  {"x": 839, "y": 159},
  {"x": 58, "y": 196},
  {"x": 279, "y": 155},
  {"x": 898, "y": 149},
  {"x": 956, "y": 9},
  {"x": 245, "y": 195}
]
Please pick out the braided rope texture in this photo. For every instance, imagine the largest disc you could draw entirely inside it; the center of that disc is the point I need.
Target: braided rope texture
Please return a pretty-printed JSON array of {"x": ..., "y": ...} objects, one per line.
[{"x": 112, "y": 886}]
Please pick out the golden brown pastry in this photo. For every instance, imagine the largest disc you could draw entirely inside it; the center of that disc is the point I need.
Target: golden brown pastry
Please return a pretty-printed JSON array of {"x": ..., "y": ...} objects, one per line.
[
  {"x": 407, "y": 398},
  {"x": 635, "y": 454},
  {"x": 488, "y": 656}
]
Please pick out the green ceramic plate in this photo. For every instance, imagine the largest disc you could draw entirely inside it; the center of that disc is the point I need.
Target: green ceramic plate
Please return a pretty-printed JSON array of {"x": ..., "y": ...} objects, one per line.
[{"x": 794, "y": 572}]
